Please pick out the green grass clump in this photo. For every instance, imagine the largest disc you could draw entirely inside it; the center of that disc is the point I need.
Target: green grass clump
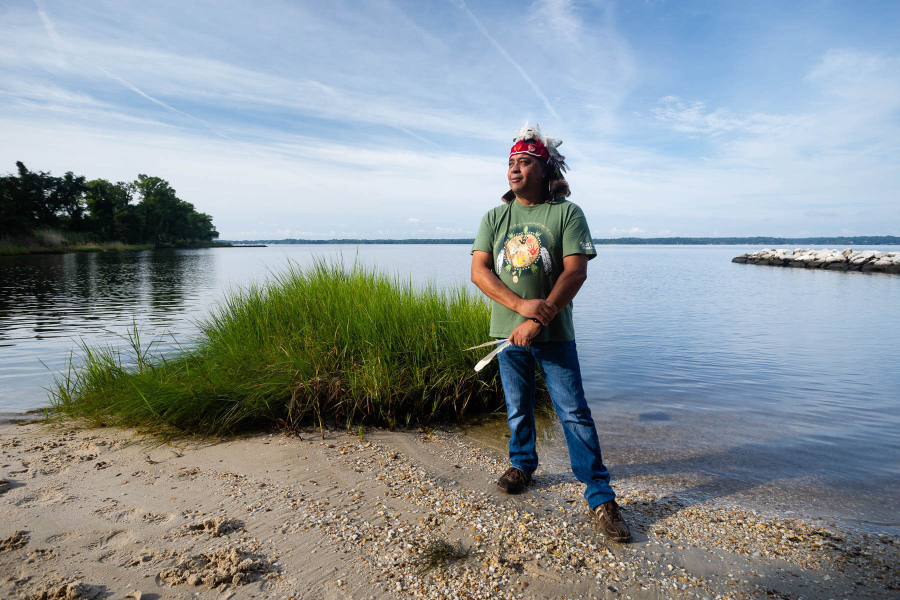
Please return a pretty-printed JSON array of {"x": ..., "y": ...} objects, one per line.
[
  {"x": 348, "y": 344},
  {"x": 439, "y": 553}
]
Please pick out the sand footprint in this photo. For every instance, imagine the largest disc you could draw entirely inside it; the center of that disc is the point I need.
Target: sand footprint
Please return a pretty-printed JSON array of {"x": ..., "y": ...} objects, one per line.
[
  {"x": 156, "y": 518},
  {"x": 129, "y": 514},
  {"x": 115, "y": 557},
  {"x": 62, "y": 537},
  {"x": 109, "y": 539},
  {"x": 92, "y": 540},
  {"x": 117, "y": 514},
  {"x": 43, "y": 497}
]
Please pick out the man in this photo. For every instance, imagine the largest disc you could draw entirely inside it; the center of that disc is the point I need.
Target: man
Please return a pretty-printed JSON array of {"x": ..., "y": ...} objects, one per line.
[{"x": 530, "y": 257}]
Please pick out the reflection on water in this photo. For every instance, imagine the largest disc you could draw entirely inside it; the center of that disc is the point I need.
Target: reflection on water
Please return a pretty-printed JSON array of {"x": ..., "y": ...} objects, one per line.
[
  {"x": 55, "y": 296},
  {"x": 738, "y": 380},
  {"x": 49, "y": 303}
]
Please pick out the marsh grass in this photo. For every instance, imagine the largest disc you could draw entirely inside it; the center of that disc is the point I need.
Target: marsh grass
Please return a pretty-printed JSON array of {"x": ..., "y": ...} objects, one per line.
[
  {"x": 51, "y": 241},
  {"x": 329, "y": 343},
  {"x": 439, "y": 553}
]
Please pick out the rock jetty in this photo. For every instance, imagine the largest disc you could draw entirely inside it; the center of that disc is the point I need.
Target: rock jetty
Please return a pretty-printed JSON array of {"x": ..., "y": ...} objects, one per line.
[{"x": 838, "y": 260}]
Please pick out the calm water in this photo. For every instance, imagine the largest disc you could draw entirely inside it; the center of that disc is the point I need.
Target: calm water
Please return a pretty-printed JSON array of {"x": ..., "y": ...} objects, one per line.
[{"x": 739, "y": 381}]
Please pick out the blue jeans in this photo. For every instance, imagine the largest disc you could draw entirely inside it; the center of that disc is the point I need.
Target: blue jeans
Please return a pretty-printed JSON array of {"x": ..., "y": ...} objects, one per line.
[{"x": 559, "y": 364}]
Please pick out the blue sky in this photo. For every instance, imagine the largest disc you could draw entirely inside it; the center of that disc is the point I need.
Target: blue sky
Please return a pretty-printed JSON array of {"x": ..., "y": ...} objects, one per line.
[{"x": 388, "y": 118}]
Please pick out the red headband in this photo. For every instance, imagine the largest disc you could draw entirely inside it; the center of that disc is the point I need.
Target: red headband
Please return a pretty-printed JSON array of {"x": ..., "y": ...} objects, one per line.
[{"x": 532, "y": 147}]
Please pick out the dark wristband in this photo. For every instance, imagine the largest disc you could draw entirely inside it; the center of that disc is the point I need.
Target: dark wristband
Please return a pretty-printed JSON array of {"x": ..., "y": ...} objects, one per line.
[{"x": 538, "y": 322}]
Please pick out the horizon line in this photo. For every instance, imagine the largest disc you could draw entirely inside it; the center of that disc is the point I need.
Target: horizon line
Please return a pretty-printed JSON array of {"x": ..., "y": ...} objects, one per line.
[{"x": 687, "y": 240}]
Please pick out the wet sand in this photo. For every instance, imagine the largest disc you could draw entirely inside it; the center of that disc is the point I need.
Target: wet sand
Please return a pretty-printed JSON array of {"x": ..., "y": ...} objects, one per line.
[
  {"x": 101, "y": 513},
  {"x": 723, "y": 456}
]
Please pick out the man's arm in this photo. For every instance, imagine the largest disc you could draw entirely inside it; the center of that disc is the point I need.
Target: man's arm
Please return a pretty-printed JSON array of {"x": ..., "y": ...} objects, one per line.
[
  {"x": 487, "y": 281},
  {"x": 570, "y": 281}
]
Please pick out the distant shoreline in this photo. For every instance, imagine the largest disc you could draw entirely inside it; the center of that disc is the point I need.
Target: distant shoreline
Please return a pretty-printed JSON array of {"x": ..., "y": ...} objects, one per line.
[{"x": 866, "y": 240}]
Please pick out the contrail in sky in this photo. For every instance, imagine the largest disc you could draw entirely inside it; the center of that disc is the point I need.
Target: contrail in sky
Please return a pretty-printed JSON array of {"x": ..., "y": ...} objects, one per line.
[
  {"x": 418, "y": 137},
  {"x": 62, "y": 47},
  {"x": 141, "y": 92},
  {"x": 208, "y": 125},
  {"x": 138, "y": 90},
  {"x": 461, "y": 4},
  {"x": 48, "y": 25}
]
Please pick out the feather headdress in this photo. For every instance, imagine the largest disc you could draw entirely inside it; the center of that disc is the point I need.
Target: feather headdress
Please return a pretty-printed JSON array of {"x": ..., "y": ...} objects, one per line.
[
  {"x": 533, "y": 132},
  {"x": 530, "y": 140}
]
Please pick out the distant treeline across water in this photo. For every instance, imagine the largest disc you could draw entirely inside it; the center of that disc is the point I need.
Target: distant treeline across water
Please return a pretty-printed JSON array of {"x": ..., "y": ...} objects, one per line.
[{"x": 865, "y": 240}]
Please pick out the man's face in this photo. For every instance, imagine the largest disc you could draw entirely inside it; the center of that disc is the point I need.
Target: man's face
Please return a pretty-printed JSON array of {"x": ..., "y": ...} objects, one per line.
[{"x": 525, "y": 174}]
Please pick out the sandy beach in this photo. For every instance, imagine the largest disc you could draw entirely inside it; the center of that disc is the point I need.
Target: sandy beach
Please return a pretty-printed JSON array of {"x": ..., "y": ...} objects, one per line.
[{"x": 103, "y": 513}]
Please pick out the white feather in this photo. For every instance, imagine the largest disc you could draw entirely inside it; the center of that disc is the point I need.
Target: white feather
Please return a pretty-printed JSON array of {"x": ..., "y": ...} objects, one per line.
[
  {"x": 545, "y": 260},
  {"x": 500, "y": 261}
]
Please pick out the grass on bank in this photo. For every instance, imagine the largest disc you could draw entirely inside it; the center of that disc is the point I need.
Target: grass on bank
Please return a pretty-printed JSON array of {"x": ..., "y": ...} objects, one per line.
[
  {"x": 50, "y": 241},
  {"x": 327, "y": 343},
  {"x": 18, "y": 250}
]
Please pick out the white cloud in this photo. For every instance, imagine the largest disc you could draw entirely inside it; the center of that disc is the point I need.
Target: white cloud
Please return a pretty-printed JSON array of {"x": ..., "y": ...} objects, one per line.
[
  {"x": 859, "y": 76},
  {"x": 820, "y": 158},
  {"x": 695, "y": 117},
  {"x": 633, "y": 232},
  {"x": 412, "y": 220},
  {"x": 855, "y": 94}
]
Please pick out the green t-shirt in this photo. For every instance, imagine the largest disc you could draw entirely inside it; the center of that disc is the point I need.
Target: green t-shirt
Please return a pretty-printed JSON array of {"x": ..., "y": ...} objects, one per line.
[{"x": 528, "y": 244}]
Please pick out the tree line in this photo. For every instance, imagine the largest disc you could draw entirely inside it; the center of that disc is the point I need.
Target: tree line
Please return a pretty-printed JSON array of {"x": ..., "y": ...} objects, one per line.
[{"x": 145, "y": 211}]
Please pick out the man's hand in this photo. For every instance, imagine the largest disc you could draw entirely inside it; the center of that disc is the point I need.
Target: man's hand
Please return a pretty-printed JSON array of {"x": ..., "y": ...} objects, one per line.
[
  {"x": 542, "y": 310},
  {"x": 524, "y": 333}
]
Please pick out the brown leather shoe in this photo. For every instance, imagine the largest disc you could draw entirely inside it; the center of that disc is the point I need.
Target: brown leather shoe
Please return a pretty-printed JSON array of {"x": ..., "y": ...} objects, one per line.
[
  {"x": 513, "y": 481},
  {"x": 611, "y": 522}
]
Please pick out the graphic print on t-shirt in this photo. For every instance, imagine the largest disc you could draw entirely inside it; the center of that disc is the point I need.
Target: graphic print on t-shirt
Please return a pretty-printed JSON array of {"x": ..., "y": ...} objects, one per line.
[{"x": 523, "y": 253}]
